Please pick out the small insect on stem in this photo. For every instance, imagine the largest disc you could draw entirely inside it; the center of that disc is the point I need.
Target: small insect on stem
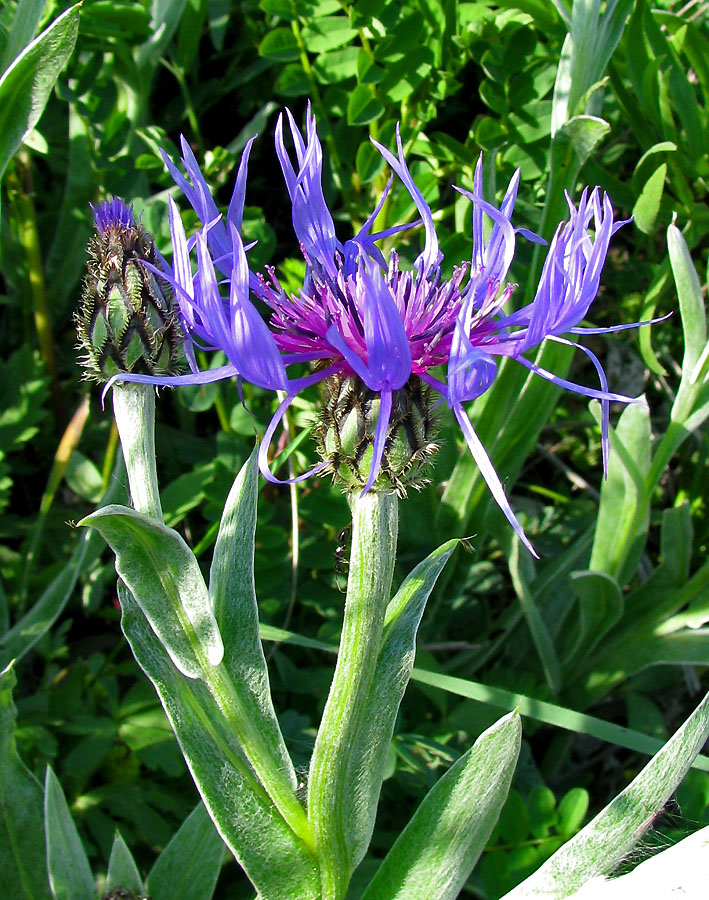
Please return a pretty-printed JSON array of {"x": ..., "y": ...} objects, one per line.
[{"x": 341, "y": 551}]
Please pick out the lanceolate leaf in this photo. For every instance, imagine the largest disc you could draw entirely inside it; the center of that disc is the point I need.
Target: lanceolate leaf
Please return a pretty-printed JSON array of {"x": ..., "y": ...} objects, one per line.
[
  {"x": 69, "y": 872},
  {"x": 162, "y": 573},
  {"x": 231, "y": 586},
  {"x": 122, "y": 870},
  {"x": 189, "y": 866},
  {"x": 396, "y": 659},
  {"x": 22, "y": 854},
  {"x": 604, "y": 842},
  {"x": 26, "y": 85},
  {"x": 241, "y": 809},
  {"x": 439, "y": 847}
]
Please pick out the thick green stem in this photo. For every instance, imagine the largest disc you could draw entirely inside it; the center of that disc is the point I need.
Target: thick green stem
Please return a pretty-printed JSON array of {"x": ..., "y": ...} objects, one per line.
[
  {"x": 134, "y": 410},
  {"x": 374, "y": 533}
]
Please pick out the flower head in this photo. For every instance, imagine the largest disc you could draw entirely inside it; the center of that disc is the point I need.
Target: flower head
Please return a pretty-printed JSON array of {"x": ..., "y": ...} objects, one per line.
[
  {"x": 127, "y": 321},
  {"x": 374, "y": 332}
]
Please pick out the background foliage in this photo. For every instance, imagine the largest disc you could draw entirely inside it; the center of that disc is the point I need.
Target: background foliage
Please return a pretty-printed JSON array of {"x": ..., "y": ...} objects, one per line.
[{"x": 623, "y": 582}]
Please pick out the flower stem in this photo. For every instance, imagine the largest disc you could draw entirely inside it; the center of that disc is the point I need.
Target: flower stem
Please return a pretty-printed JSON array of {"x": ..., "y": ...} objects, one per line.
[
  {"x": 374, "y": 532},
  {"x": 134, "y": 410}
]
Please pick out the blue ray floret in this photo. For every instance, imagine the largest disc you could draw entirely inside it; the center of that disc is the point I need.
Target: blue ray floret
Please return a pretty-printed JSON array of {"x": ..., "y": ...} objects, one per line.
[{"x": 359, "y": 315}]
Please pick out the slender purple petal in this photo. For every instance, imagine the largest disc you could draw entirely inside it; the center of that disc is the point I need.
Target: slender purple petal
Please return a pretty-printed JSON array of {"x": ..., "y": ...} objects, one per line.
[
  {"x": 487, "y": 470},
  {"x": 380, "y": 435},
  {"x": 430, "y": 257}
]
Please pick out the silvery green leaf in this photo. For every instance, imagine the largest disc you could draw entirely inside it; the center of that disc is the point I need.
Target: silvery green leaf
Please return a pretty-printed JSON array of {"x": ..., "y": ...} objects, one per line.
[
  {"x": 438, "y": 849},
  {"x": 606, "y": 840},
  {"x": 122, "y": 870},
  {"x": 69, "y": 871},
  {"x": 22, "y": 852},
  {"x": 231, "y": 587},
  {"x": 163, "y": 575},
  {"x": 680, "y": 871},
  {"x": 188, "y": 868},
  {"x": 238, "y": 804},
  {"x": 26, "y": 85}
]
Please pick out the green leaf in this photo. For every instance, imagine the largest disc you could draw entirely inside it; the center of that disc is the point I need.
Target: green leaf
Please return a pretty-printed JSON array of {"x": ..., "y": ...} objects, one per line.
[
  {"x": 337, "y": 65},
  {"x": 280, "y": 45},
  {"x": 231, "y": 588},
  {"x": 600, "y": 608},
  {"x": 293, "y": 81},
  {"x": 322, "y": 35},
  {"x": 433, "y": 857},
  {"x": 243, "y": 812},
  {"x": 691, "y": 300},
  {"x": 363, "y": 107},
  {"x": 122, "y": 870},
  {"x": 368, "y": 754},
  {"x": 25, "y": 87},
  {"x": 69, "y": 871},
  {"x": 607, "y": 839},
  {"x": 619, "y": 537},
  {"x": 22, "y": 850},
  {"x": 162, "y": 573},
  {"x": 188, "y": 868},
  {"x": 521, "y": 571},
  {"x": 647, "y": 206},
  {"x": 25, "y": 23},
  {"x": 572, "y": 811},
  {"x": 368, "y": 162}
]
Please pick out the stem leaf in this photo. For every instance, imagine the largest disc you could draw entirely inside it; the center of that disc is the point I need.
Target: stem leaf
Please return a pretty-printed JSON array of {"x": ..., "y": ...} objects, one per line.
[
  {"x": 222, "y": 773},
  {"x": 439, "y": 847},
  {"x": 607, "y": 839},
  {"x": 161, "y": 571}
]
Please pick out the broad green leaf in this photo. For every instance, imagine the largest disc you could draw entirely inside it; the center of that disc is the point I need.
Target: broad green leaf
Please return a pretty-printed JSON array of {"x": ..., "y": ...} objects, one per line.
[
  {"x": 337, "y": 65},
  {"x": 293, "y": 81},
  {"x": 619, "y": 536},
  {"x": 25, "y": 87},
  {"x": 189, "y": 866},
  {"x": 242, "y": 811},
  {"x": 612, "y": 834},
  {"x": 329, "y": 33},
  {"x": 647, "y": 206},
  {"x": 122, "y": 870},
  {"x": 162, "y": 573},
  {"x": 368, "y": 162},
  {"x": 363, "y": 107},
  {"x": 280, "y": 45},
  {"x": 231, "y": 588},
  {"x": 22, "y": 850},
  {"x": 25, "y": 23},
  {"x": 69, "y": 871},
  {"x": 436, "y": 852},
  {"x": 368, "y": 754}
]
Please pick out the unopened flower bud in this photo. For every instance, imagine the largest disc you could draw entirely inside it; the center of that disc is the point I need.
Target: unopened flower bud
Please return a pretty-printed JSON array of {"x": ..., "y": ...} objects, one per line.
[{"x": 127, "y": 320}]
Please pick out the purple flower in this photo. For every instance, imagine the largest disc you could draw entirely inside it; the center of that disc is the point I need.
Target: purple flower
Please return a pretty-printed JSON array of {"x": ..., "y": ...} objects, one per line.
[{"x": 358, "y": 314}]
